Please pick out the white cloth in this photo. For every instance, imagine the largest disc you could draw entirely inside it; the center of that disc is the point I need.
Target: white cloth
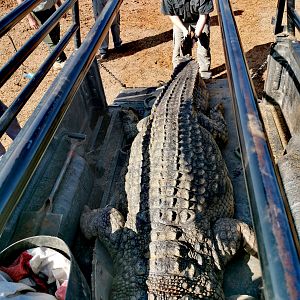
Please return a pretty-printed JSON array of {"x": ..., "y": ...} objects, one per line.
[
  {"x": 51, "y": 263},
  {"x": 46, "y": 4},
  {"x": 46, "y": 261}
]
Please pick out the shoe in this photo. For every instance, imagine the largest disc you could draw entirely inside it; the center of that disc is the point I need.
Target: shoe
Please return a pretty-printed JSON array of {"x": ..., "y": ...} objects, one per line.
[
  {"x": 58, "y": 65},
  {"x": 119, "y": 48},
  {"x": 104, "y": 56}
]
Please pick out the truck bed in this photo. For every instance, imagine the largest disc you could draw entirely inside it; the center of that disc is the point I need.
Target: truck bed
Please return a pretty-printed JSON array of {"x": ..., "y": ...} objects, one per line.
[{"x": 93, "y": 176}]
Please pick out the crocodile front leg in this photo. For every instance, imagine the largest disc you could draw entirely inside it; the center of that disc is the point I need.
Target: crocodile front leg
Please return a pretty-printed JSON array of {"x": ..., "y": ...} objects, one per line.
[
  {"x": 215, "y": 124},
  {"x": 106, "y": 223},
  {"x": 231, "y": 235}
]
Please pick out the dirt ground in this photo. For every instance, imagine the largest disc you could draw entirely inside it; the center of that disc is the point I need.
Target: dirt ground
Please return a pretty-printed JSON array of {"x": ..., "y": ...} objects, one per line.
[{"x": 147, "y": 47}]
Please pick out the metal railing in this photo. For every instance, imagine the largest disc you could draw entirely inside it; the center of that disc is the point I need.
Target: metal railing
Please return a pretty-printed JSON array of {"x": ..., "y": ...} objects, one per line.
[
  {"x": 16, "y": 15},
  {"x": 278, "y": 253},
  {"x": 17, "y": 169},
  {"x": 293, "y": 18},
  {"x": 277, "y": 248},
  {"x": 15, "y": 61}
]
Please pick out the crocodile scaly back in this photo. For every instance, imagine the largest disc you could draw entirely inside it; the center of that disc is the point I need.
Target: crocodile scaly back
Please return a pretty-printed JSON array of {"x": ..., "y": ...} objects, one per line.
[{"x": 179, "y": 232}]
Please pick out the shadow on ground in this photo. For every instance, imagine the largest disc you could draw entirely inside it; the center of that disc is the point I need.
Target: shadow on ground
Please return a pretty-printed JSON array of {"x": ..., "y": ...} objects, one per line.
[
  {"x": 214, "y": 19},
  {"x": 152, "y": 41},
  {"x": 255, "y": 60},
  {"x": 133, "y": 47}
]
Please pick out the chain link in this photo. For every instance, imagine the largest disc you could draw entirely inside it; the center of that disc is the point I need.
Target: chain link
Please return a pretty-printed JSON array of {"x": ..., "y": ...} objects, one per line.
[
  {"x": 113, "y": 75},
  {"x": 23, "y": 67},
  {"x": 260, "y": 69},
  {"x": 263, "y": 65}
]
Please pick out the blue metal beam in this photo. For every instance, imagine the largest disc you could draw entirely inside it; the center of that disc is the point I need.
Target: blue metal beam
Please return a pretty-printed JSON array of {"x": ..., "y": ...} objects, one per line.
[
  {"x": 16, "y": 15},
  {"x": 277, "y": 245},
  {"x": 294, "y": 18}
]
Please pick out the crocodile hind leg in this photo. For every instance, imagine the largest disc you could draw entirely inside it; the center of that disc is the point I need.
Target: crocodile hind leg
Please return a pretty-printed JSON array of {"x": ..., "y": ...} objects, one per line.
[
  {"x": 106, "y": 223},
  {"x": 211, "y": 119},
  {"x": 130, "y": 268},
  {"x": 125, "y": 247},
  {"x": 215, "y": 124},
  {"x": 231, "y": 235}
]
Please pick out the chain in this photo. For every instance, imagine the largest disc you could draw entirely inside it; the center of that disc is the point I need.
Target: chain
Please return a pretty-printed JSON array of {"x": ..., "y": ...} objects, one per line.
[
  {"x": 113, "y": 76},
  {"x": 23, "y": 66},
  {"x": 124, "y": 85},
  {"x": 260, "y": 69}
]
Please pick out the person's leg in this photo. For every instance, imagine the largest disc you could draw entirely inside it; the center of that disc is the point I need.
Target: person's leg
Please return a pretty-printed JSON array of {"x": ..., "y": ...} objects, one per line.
[
  {"x": 177, "y": 39},
  {"x": 203, "y": 52},
  {"x": 104, "y": 46},
  {"x": 13, "y": 129},
  {"x": 115, "y": 31},
  {"x": 98, "y": 6},
  {"x": 2, "y": 150},
  {"x": 53, "y": 38}
]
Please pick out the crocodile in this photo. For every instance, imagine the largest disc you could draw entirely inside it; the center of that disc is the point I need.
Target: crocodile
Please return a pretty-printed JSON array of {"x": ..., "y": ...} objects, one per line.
[{"x": 179, "y": 232}]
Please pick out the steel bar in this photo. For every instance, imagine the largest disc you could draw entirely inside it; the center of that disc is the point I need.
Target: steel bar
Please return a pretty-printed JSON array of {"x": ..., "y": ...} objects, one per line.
[
  {"x": 12, "y": 111},
  {"x": 294, "y": 18},
  {"x": 278, "y": 253},
  {"x": 290, "y": 21},
  {"x": 279, "y": 16},
  {"x": 16, "y": 15},
  {"x": 76, "y": 21},
  {"x": 14, "y": 63},
  {"x": 19, "y": 163}
]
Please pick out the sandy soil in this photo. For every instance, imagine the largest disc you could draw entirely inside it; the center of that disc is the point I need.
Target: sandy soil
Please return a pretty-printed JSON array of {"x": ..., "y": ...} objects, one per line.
[{"x": 146, "y": 57}]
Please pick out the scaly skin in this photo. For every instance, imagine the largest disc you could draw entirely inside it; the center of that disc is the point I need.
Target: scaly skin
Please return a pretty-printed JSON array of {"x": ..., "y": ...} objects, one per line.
[{"x": 179, "y": 232}]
